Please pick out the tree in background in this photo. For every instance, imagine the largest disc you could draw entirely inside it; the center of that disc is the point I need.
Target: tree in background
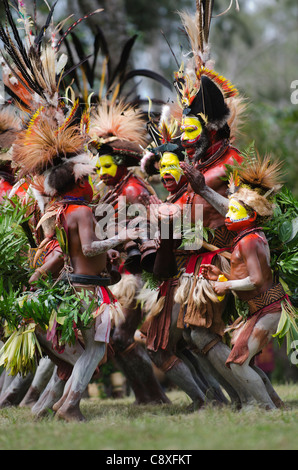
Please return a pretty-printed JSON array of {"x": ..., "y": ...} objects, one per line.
[{"x": 255, "y": 47}]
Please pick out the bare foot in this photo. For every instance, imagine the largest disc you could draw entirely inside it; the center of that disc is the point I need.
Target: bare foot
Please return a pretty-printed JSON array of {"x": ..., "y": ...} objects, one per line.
[
  {"x": 68, "y": 413},
  {"x": 59, "y": 403},
  {"x": 30, "y": 398},
  {"x": 70, "y": 409},
  {"x": 6, "y": 403}
]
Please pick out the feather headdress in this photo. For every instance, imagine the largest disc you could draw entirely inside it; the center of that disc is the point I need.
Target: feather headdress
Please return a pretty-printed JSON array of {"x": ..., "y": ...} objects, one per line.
[
  {"x": 45, "y": 146},
  {"x": 33, "y": 68},
  {"x": 255, "y": 182},
  {"x": 197, "y": 28},
  {"x": 202, "y": 91},
  {"x": 122, "y": 127},
  {"x": 165, "y": 138}
]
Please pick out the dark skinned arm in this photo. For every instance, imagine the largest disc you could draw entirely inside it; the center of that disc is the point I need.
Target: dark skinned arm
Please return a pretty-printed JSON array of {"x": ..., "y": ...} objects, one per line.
[
  {"x": 197, "y": 181},
  {"x": 90, "y": 245},
  {"x": 52, "y": 265}
]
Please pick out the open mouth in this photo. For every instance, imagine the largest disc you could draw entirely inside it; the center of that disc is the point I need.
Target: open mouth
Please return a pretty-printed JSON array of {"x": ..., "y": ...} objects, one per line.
[
  {"x": 190, "y": 142},
  {"x": 168, "y": 181},
  {"x": 105, "y": 178}
]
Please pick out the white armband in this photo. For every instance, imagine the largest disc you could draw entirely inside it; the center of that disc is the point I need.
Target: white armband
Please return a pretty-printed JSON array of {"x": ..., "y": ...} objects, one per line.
[
  {"x": 241, "y": 284},
  {"x": 97, "y": 247}
]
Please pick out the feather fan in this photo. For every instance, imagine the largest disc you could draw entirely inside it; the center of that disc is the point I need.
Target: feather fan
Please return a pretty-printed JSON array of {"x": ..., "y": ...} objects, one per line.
[
  {"x": 121, "y": 121},
  {"x": 197, "y": 28},
  {"x": 262, "y": 174},
  {"x": 36, "y": 151}
]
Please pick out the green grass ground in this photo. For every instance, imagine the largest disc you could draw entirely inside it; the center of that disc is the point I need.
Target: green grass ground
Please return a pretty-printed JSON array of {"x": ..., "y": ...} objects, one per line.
[{"x": 120, "y": 425}]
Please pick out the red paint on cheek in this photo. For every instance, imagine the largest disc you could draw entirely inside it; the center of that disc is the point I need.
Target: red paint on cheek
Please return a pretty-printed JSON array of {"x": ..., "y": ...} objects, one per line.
[
  {"x": 113, "y": 180},
  {"x": 238, "y": 226}
]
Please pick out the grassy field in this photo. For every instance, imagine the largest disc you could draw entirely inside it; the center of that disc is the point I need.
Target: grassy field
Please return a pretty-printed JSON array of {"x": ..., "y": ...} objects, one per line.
[{"x": 120, "y": 425}]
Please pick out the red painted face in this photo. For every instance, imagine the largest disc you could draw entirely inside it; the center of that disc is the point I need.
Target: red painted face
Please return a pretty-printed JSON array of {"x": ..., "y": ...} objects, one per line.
[
  {"x": 235, "y": 226},
  {"x": 237, "y": 218},
  {"x": 171, "y": 184},
  {"x": 82, "y": 190},
  {"x": 171, "y": 174},
  {"x": 110, "y": 180}
]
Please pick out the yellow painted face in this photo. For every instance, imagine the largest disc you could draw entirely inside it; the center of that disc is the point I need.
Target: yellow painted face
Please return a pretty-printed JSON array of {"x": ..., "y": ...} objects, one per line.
[
  {"x": 169, "y": 164},
  {"x": 106, "y": 166},
  {"x": 236, "y": 211},
  {"x": 191, "y": 130}
]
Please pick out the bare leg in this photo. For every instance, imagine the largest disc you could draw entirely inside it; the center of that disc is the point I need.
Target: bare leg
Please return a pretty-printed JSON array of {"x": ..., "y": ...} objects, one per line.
[
  {"x": 179, "y": 373},
  {"x": 134, "y": 361},
  {"x": 68, "y": 408},
  {"x": 16, "y": 390},
  {"x": 260, "y": 336},
  {"x": 51, "y": 394},
  {"x": 7, "y": 379},
  {"x": 217, "y": 356},
  {"x": 272, "y": 392},
  {"x": 41, "y": 378},
  {"x": 208, "y": 375},
  {"x": 253, "y": 382},
  {"x": 2, "y": 380},
  {"x": 175, "y": 368}
]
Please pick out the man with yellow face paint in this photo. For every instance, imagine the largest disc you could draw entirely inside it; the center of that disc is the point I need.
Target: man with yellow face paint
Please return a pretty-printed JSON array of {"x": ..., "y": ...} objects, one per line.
[
  {"x": 171, "y": 173},
  {"x": 238, "y": 218},
  {"x": 106, "y": 169},
  {"x": 191, "y": 133},
  {"x": 113, "y": 167},
  {"x": 250, "y": 277},
  {"x": 205, "y": 138},
  {"x": 163, "y": 338},
  {"x": 119, "y": 133}
]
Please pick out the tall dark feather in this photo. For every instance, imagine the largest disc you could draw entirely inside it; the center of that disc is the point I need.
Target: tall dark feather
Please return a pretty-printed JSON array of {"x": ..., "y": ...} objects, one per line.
[
  {"x": 16, "y": 34},
  {"x": 75, "y": 66},
  {"x": 100, "y": 42},
  {"x": 82, "y": 56},
  {"x": 147, "y": 73},
  {"x": 122, "y": 64},
  {"x": 207, "y": 8},
  {"x": 73, "y": 26},
  {"x": 41, "y": 34}
]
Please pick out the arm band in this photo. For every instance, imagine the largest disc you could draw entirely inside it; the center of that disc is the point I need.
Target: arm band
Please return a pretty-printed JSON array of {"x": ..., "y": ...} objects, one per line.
[
  {"x": 98, "y": 247},
  {"x": 241, "y": 284}
]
